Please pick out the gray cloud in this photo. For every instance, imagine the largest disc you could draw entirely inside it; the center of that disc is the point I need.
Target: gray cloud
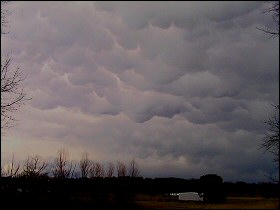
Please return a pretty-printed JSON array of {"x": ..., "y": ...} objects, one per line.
[
  {"x": 138, "y": 15},
  {"x": 181, "y": 86}
]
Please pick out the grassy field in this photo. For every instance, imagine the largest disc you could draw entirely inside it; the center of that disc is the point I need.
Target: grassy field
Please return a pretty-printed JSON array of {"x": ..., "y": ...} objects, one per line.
[{"x": 230, "y": 203}]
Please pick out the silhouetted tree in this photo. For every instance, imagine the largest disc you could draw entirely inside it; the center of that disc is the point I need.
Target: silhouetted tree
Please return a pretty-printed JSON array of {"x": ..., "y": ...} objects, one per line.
[
  {"x": 212, "y": 188},
  {"x": 121, "y": 169},
  {"x": 85, "y": 165},
  {"x": 99, "y": 170},
  {"x": 92, "y": 169},
  {"x": 12, "y": 169},
  {"x": 13, "y": 94},
  {"x": 110, "y": 170},
  {"x": 35, "y": 167},
  {"x": 133, "y": 169},
  {"x": 63, "y": 167},
  {"x": 271, "y": 139}
]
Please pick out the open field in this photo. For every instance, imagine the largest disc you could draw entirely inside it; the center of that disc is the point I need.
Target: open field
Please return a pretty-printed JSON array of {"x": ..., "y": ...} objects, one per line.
[{"x": 230, "y": 203}]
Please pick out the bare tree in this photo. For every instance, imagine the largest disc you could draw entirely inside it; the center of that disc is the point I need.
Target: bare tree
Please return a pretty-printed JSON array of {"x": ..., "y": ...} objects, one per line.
[
  {"x": 35, "y": 167},
  {"x": 63, "y": 167},
  {"x": 99, "y": 170},
  {"x": 92, "y": 172},
  {"x": 12, "y": 169},
  {"x": 121, "y": 169},
  {"x": 133, "y": 169},
  {"x": 13, "y": 94},
  {"x": 85, "y": 165},
  {"x": 73, "y": 172},
  {"x": 271, "y": 139},
  {"x": 110, "y": 170},
  {"x": 274, "y": 11}
]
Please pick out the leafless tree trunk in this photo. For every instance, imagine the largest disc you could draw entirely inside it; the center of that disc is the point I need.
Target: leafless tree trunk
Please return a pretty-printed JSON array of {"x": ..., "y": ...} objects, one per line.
[
  {"x": 133, "y": 169},
  {"x": 13, "y": 95},
  {"x": 110, "y": 170},
  {"x": 121, "y": 169},
  {"x": 63, "y": 167},
  {"x": 35, "y": 167},
  {"x": 85, "y": 165}
]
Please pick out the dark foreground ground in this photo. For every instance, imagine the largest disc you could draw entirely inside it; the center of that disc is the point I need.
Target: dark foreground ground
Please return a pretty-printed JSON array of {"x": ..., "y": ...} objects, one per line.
[
  {"x": 133, "y": 193},
  {"x": 137, "y": 201}
]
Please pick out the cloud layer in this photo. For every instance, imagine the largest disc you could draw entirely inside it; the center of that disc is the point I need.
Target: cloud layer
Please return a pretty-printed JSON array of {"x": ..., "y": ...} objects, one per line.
[{"x": 183, "y": 87}]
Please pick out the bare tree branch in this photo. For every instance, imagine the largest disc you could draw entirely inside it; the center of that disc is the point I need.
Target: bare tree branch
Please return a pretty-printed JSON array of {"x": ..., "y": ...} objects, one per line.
[
  {"x": 13, "y": 94},
  {"x": 274, "y": 10},
  {"x": 271, "y": 139}
]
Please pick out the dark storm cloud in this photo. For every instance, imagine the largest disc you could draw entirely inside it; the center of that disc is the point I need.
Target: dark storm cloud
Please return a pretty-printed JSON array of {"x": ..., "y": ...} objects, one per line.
[{"x": 181, "y": 86}]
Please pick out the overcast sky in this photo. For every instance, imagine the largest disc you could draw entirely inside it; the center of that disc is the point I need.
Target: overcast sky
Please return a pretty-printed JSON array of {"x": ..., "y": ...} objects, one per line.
[{"x": 182, "y": 87}]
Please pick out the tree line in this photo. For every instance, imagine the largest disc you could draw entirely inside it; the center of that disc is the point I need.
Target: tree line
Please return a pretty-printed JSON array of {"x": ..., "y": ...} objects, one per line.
[
  {"x": 91, "y": 176},
  {"x": 63, "y": 168}
]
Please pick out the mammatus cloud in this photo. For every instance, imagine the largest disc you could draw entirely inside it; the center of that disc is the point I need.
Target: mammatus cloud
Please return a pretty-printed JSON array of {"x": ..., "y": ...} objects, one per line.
[{"x": 183, "y": 87}]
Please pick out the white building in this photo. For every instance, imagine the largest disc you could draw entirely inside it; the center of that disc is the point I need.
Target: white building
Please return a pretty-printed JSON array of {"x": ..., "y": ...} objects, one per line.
[{"x": 190, "y": 196}]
